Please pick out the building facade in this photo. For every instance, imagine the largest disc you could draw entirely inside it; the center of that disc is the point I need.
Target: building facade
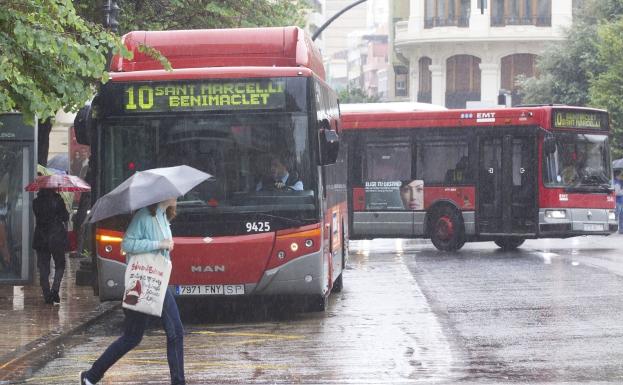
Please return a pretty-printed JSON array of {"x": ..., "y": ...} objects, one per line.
[{"x": 460, "y": 53}]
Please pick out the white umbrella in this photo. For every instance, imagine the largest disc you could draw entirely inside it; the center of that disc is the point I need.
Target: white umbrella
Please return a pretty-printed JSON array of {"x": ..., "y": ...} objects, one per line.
[{"x": 145, "y": 188}]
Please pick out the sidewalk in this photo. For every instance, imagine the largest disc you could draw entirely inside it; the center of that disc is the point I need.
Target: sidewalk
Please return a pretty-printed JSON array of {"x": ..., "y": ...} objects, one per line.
[{"x": 29, "y": 326}]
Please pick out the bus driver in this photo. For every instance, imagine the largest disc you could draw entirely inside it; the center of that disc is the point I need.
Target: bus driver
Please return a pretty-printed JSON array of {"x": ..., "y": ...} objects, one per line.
[{"x": 279, "y": 178}]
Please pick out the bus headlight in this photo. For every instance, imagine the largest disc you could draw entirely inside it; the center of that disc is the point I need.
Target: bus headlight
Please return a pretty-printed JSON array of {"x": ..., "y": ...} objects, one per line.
[
  {"x": 611, "y": 215},
  {"x": 556, "y": 214}
]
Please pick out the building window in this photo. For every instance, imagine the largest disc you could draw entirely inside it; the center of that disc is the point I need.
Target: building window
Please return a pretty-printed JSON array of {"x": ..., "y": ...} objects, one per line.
[
  {"x": 402, "y": 81},
  {"x": 443, "y": 13},
  {"x": 513, "y": 66},
  {"x": 462, "y": 80},
  {"x": 521, "y": 12},
  {"x": 425, "y": 82}
]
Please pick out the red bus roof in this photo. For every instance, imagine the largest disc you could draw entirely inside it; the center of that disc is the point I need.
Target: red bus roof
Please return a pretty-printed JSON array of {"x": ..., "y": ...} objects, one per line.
[
  {"x": 493, "y": 117},
  {"x": 240, "y": 47},
  {"x": 211, "y": 73}
]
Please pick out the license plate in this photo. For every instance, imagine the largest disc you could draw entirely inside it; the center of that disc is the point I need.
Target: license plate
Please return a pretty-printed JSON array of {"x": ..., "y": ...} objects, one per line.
[
  {"x": 209, "y": 289},
  {"x": 593, "y": 227}
]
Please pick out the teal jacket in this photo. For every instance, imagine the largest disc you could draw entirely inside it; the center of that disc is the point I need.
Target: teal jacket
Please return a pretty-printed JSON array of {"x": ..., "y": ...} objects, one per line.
[{"x": 145, "y": 233}]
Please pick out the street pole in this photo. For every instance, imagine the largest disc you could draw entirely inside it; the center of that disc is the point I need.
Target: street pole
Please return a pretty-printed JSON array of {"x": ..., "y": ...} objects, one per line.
[
  {"x": 86, "y": 274},
  {"x": 326, "y": 23},
  {"x": 111, "y": 12}
]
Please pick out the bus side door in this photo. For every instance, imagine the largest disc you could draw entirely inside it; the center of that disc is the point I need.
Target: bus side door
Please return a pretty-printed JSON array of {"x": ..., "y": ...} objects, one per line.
[{"x": 507, "y": 185}]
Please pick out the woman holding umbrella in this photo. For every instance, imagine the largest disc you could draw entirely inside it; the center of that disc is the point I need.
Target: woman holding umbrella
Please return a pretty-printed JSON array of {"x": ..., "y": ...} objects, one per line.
[
  {"x": 50, "y": 238},
  {"x": 149, "y": 231}
]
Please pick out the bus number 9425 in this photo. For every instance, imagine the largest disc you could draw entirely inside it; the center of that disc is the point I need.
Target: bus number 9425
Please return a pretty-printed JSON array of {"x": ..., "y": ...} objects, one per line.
[{"x": 257, "y": 227}]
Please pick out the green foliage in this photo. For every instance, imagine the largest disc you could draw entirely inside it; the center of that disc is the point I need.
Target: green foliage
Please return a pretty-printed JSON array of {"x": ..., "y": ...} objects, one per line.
[
  {"x": 50, "y": 58},
  {"x": 587, "y": 68},
  {"x": 565, "y": 68},
  {"x": 356, "y": 95},
  {"x": 196, "y": 14},
  {"x": 606, "y": 90}
]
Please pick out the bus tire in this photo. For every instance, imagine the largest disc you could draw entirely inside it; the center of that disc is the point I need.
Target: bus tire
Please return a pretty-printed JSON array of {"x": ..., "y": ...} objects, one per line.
[
  {"x": 507, "y": 244},
  {"x": 338, "y": 284},
  {"x": 446, "y": 228},
  {"x": 316, "y": 303}
]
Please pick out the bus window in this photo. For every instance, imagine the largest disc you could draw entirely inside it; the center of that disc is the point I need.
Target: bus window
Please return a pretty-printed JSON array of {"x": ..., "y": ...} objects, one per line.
[
  {"x": 443, "y": 161},
  {"x": 388, "y": 161}
]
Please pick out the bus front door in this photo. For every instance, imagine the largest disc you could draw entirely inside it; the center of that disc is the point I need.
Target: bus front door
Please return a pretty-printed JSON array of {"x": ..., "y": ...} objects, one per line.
[{"x": 506, "y": 185}]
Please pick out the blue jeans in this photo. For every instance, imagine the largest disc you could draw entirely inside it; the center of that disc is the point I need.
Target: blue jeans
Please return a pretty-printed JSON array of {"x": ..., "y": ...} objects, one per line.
[
  {"x": 134, "y": 328},
  {"x": 619, "y": 215}
]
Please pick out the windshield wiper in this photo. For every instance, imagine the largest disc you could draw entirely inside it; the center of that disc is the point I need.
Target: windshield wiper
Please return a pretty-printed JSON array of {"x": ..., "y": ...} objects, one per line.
[{"x": 298, "y": 222}]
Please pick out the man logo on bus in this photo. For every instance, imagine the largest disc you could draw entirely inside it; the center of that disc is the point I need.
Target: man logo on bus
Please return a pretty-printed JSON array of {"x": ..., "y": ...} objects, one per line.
[{"x": 207, "y": 269}]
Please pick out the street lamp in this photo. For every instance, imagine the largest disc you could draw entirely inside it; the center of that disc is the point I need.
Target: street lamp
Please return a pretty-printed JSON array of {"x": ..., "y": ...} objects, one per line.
[
  {"x": 326, "y": 24},
  {"x": 111, "y": 12}
]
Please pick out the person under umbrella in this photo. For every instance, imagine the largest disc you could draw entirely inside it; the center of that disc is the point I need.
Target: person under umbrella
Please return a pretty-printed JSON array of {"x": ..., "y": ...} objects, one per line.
[
  {"x": 50, "y": 238},
  {"x": 149, "y": 231}
]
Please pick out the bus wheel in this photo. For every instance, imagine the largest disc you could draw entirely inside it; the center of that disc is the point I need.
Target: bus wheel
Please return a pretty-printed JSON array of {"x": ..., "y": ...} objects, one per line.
[
  {"x": 314, "y": 303},
  {"x": 509, "y": 243},
  {"x": 446, "y": 229},
  {"x": 338, "y": 284}
]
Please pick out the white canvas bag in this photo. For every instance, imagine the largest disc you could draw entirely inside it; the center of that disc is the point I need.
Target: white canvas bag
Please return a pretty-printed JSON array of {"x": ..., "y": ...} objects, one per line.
[{"x": 146, "y": 281}]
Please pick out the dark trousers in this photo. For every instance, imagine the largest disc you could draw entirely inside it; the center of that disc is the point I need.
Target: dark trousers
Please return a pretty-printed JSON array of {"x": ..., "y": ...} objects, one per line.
[
  {"x": 134, "y": 328},
  {"x": 43, "y": 263}
]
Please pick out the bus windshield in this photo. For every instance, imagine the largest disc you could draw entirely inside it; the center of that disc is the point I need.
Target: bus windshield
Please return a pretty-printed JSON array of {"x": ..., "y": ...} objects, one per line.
[
  {"x": 577, "y": 161},
  {"x": 243, "y": 151}
]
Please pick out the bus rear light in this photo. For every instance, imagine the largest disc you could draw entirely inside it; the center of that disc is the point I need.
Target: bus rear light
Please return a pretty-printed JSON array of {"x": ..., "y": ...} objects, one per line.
[
  {"x": 611, "y": 215},
  {"x": 556, "y": 214},
  {"x": 108, "y": 248},
  {"x": 294, "y": 246},
  {"x": 309, "y": 243},
  {"x": 281, "y": 254}
]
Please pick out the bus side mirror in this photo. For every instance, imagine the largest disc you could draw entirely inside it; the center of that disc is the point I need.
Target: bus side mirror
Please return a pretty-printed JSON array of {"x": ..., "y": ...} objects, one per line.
[
  {"x": 82, "y": 125},
  {"x": 549, "y": 144},
  {"x": 329, "y": 146}
]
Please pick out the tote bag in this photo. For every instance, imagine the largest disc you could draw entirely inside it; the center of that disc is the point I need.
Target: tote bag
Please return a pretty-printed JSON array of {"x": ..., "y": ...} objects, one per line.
[{"x": 146, "y": 281}]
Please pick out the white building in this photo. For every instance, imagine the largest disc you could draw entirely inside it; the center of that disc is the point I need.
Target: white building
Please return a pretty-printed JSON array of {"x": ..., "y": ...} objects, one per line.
[{"x": 449, "y": 52}]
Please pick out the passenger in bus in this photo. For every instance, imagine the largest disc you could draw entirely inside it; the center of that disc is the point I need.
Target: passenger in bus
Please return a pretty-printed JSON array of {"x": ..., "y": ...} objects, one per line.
[
  {"x": 279, "y": 178},
  {"x": 461, "y": 172},
  {"x": 572, "y": 173},
  {"x": 412, "y": 194}
]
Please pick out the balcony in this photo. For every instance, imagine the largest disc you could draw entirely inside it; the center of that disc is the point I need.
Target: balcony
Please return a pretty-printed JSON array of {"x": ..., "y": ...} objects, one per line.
[
  {"x": 459, "y": 21},
  {"x": 503, "y": 21}
]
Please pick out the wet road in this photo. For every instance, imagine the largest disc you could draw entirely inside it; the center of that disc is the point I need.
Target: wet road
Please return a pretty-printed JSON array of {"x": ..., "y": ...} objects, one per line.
[{"x": 548, "y": 313}]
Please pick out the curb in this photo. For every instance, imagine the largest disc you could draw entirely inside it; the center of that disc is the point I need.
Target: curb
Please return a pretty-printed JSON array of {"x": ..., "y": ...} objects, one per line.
[{"x": 10, "y": 362}]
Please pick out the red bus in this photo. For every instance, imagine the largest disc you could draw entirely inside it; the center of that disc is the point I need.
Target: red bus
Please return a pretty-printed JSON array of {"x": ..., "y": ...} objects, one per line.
[
  {"x": 237, "y": 103},
  {"x": 502, "y": 175}
]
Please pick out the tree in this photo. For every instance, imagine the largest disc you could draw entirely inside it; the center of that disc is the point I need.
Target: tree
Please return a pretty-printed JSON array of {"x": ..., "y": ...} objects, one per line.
[
  {"x": 356, "y": 95},
  {"x": 50, "y": 58},
  {"x": 194, "y": 14},
  {"x": 566, "y": 67},
  {"x": 606, "y": 90},
  {"x": 587, "y": 68}
]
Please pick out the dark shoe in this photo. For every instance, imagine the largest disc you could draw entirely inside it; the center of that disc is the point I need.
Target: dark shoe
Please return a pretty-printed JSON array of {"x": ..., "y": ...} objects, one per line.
[
  {"x": 47, "y": 297},
  {"x": 84, "y": 380},
  {"x": 55, "y": 297}
]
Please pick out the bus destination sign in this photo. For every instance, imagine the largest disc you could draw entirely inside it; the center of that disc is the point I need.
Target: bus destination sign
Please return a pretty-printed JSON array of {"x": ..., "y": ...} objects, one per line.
[
  {"x": 204, "y": 95},
  {"x": 593, "y": 120}
]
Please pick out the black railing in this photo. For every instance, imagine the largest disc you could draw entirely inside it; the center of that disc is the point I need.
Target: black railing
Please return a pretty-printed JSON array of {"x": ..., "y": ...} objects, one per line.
[
  {"x": 540, "y": 21},
  {"x": 459, "y": 21},
  {"x": 459, "y": 99},
  {"x": 424, "y": 97}
]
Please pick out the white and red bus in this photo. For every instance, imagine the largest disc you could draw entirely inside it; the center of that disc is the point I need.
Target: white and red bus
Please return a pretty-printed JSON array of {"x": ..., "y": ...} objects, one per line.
[
  {"x": 502, "y": 175},
  {"x": 235, "y": 100}
]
